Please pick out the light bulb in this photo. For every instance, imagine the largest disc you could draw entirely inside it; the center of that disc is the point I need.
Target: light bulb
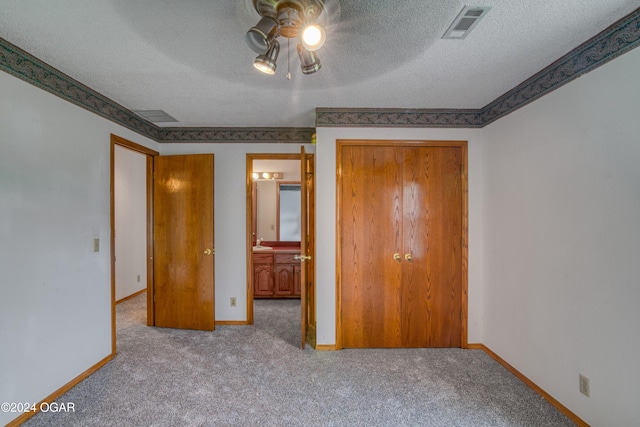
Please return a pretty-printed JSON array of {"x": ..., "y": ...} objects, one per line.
[{"x": 313, "y": 37}]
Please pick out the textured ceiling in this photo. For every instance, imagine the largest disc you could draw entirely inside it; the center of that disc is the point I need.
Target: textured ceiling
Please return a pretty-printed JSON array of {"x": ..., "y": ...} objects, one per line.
[{"x": 189, "y": 58}]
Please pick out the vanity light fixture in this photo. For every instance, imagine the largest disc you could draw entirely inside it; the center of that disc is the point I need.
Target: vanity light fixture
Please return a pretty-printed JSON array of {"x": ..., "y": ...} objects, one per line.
[{"x": 267, "y": 175}]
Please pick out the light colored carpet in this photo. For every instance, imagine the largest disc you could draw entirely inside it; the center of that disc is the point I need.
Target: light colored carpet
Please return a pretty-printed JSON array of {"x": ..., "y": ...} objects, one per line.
[{"x": 258, "y": 376}]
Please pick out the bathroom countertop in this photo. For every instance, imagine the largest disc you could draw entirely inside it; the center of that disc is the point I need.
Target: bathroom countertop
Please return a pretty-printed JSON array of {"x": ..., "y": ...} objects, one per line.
[
  {"x": 281, "y": 249},
  {"x": 279, "y": 246}
]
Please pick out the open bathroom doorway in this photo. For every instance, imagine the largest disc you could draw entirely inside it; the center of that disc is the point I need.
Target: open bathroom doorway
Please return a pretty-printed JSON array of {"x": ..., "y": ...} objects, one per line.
[{"x": 281, "y": 236}]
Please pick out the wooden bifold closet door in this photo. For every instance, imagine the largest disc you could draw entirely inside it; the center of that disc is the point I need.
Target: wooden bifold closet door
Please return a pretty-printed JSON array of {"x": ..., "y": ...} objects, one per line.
[{"x": 401, "y": 225}]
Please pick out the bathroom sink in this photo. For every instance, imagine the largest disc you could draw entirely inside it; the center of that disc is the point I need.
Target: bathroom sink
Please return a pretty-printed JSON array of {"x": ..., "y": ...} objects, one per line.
[{"x": 261, "y": 248}]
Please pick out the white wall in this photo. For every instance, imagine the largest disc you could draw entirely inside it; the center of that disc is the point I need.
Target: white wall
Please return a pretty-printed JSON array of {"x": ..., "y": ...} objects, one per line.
[
  {"x": 230, "y": 176},
  {"x": 326, "y": 218},
  {"x": 55, "y": 292},
  {"x": 130, "y": 194},
  {"x": 562, "y": 241}
]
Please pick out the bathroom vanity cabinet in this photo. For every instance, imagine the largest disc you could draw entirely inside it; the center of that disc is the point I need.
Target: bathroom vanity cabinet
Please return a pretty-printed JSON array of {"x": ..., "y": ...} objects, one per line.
[{"x": 276, "y": 274}]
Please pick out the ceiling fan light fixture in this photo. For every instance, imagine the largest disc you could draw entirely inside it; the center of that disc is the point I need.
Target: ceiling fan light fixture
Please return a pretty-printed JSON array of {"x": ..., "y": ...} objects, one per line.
[
  {"x": 258, "y": 37},
  {"x": 313, "y": 37},
  {"x": 267, "y": 62},
  {"x": 299, "y": 20},
  {"x": 309, "y": 61}
]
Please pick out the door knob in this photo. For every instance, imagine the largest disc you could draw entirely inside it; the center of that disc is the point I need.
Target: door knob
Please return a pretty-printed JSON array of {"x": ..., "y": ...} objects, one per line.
[
  {"x": 208, "y": 251},
  {"x": 301, "y": 258},
  {"x": 408, "y": 257},
  {"x": 396, "y": 256}
]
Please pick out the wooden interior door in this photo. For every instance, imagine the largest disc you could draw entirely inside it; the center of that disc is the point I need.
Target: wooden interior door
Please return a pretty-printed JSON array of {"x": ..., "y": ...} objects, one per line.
[
  {"x": 309, "y": 238},
  {"x": 303, "y": 246},
  {"x": 183, "y": 242},
  {"x": 401, "y": 227},
  {"x": 370, "y": 267}
]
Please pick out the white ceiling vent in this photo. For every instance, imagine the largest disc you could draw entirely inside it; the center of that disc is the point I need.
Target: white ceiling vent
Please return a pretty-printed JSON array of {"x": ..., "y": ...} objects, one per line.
[
  {"x": 155, "y": 116},
  {"x": 466, "y": 20}
]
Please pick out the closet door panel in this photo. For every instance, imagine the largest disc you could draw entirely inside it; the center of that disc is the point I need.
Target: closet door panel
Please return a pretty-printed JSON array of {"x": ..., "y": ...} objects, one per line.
[
  {"x": 417, "y": 297},
  {"x": 448, "y": 325},
  {"x": 371, "y": 215},
  {"x": 432, "y": 218}
]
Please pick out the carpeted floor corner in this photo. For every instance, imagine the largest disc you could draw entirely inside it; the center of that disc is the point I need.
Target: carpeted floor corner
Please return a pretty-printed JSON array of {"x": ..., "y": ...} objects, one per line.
[{"x": 258, "y": 376}]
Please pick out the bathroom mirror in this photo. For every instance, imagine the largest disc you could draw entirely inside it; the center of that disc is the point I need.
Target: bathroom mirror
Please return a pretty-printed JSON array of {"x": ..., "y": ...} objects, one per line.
[{"x": 276, "y": 202}]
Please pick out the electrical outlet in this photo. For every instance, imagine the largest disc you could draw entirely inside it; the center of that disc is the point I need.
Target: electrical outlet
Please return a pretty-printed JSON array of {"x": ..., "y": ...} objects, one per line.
[
  {"x": 138, "y": 278},
  {"x": 96, "y": 245},
  {"x": 584, "y": 385},
  {"x": 233, "y": 301}
]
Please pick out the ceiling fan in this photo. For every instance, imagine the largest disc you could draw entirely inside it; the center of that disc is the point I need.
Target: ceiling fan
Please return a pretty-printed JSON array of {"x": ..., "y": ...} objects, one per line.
[{"x": 292, "y": 19}]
